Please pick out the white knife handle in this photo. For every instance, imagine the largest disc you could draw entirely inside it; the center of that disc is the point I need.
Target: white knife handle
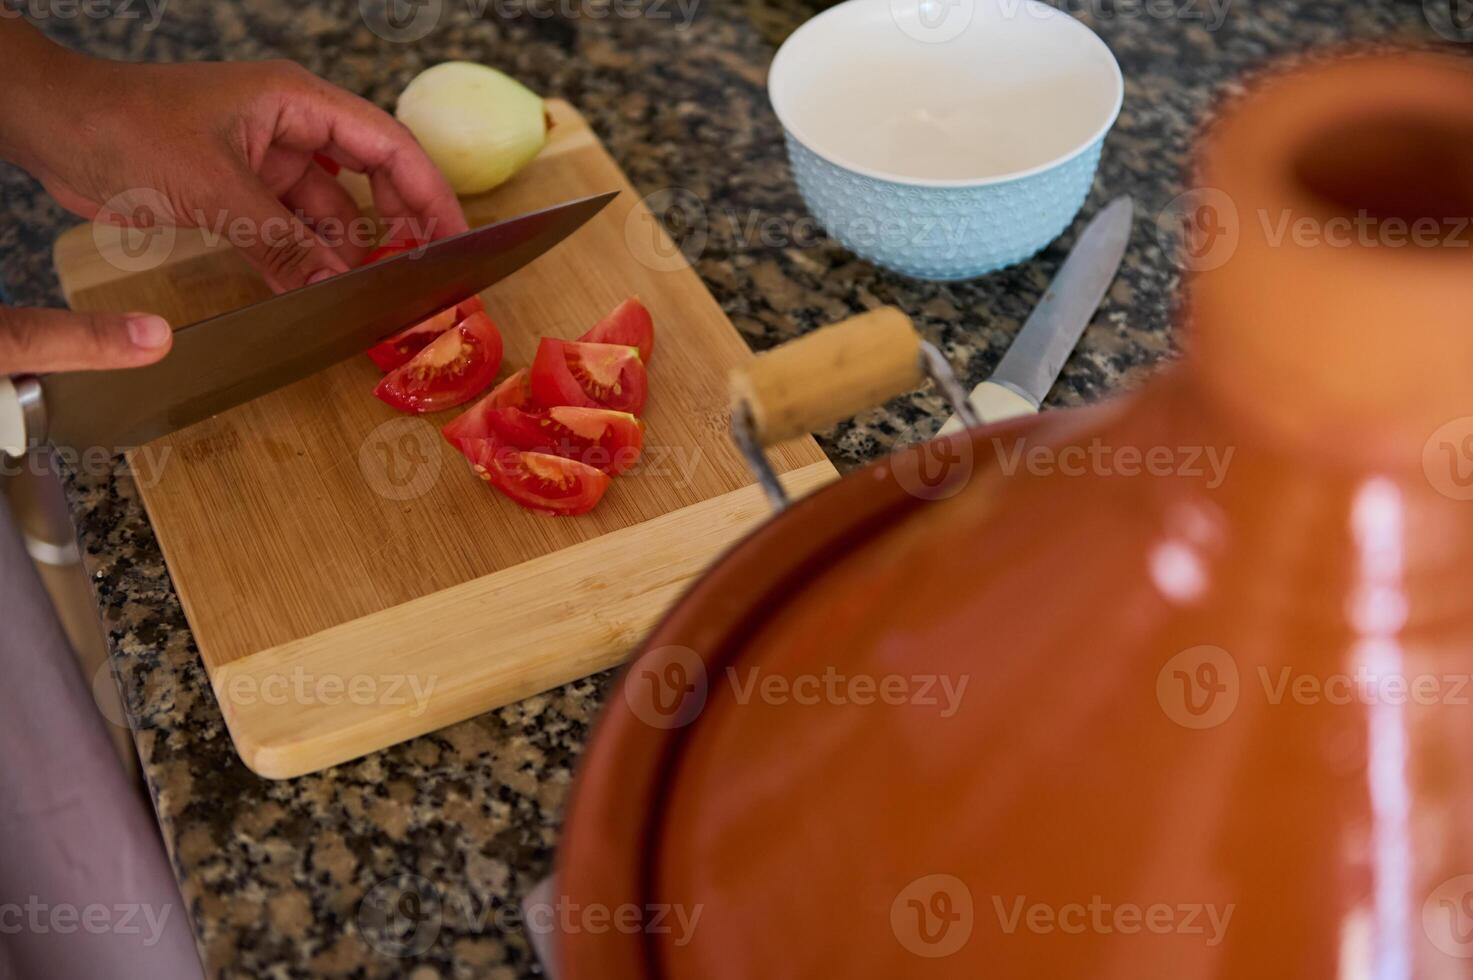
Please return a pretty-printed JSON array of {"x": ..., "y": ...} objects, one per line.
[
  {"x": 13, "y": 440},
  {"x": 993, "y": 403}
]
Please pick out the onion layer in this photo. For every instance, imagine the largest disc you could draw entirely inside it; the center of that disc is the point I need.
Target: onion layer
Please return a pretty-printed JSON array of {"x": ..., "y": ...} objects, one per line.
[{"x": 478, "y": 125}]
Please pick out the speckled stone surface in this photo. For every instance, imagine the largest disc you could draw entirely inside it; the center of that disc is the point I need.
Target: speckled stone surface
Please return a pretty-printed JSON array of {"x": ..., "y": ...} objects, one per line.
[{"x": 275, "y": 874}]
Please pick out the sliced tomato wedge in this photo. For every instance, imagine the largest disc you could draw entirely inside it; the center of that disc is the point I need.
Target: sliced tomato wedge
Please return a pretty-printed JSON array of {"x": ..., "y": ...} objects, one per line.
[
  {"x": 630, "y": 324},
  {"x": 475, "y": 422},
  {"x": 327, "y": 163},
  {"x": 514, "y": 392},
  {"x": 451, "y": 370},
  {"x": 392, "y": 248},
  {"x": 606, "y": 440},
  {"x": 398, "y": 349},
  {"x": 589, "y": 376},
  {"x": 537, "y": 481}
]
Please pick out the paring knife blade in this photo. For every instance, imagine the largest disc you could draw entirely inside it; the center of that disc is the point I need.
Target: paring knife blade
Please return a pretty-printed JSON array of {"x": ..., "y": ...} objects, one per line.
[
  {"x": 230, "y": 359},
  {"x": 1033, "y": 362}
]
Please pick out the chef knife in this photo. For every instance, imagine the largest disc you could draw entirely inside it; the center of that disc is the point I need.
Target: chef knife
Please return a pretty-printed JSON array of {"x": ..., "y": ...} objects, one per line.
[
  {"x": 221, "y": 362},
  {"x": 1034, "y": 361}
]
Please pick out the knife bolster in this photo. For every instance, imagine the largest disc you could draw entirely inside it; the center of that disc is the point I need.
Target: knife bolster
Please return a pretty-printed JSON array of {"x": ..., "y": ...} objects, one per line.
[
  {"x": 994, "y": 402},
  {"x": 13, "y": 440}
]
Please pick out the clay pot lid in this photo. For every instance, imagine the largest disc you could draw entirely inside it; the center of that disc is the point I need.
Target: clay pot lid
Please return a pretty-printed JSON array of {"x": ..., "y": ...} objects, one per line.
[
  {"x": 787, "y": 781},
  {"x": 720, "y": 788}
]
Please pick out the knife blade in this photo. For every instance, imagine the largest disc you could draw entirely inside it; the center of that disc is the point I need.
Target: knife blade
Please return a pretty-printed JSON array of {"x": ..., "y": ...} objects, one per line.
[
  {"x": 221, "y": 362},
  {"x": 1033, "y": 362}
]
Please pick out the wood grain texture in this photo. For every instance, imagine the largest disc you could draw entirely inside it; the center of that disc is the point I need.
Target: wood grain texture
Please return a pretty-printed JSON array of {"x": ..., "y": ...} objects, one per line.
[
  {"x": 505, "y": 636},
  {"x": 831, "y": 374},
  {"x": 288, "y": 519}
]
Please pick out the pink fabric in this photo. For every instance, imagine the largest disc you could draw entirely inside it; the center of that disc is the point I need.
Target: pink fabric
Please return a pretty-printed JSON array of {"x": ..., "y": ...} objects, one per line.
[{"x": 85, "y": 888}]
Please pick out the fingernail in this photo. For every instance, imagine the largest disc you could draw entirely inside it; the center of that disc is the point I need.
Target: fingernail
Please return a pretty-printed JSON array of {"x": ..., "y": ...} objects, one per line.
[
  {"x": 319, "y": 276},
  {"x": 148, "y": 331}
]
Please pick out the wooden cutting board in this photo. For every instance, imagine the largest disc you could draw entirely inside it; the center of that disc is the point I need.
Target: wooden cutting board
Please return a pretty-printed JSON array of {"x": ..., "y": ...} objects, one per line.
[{"x": 349, "y": 581}]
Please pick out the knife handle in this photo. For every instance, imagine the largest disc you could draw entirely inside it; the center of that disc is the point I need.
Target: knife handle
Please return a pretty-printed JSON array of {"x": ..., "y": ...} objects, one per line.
[
  {"x": 993, "y": 403},
  {"x": 13, "y": 438},
  {"x": 829, "y": 375}
]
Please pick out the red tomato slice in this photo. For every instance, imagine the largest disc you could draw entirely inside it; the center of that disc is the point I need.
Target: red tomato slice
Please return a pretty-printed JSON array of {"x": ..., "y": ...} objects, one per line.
[
  {"x": 392, "y": 248},
  {"x": 514, "y": 392},
  {"x": 589, "y": 376},
  {"x": 630, "y": 324},
  {"x": 327, "y": 163},
  {"x": 449, "y": 371},
  {"x": 606, "y": 440},
  {"x": 398, "y": 349},
  {"x": 547, "y": 484},
  {"x": 475, "y": 422}
]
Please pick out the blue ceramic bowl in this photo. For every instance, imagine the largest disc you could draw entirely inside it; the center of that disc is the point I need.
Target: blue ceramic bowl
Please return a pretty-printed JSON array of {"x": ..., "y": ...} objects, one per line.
[{"x": 944, "y": 139}]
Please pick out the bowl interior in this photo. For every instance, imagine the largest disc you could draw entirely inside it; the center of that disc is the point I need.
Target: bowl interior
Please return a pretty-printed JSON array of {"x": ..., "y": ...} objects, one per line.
[{"x": 945, "y": 91}]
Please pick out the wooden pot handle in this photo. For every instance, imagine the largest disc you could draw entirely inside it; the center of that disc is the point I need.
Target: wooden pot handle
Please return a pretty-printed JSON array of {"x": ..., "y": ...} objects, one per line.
[{"x": 829, "y": 375}]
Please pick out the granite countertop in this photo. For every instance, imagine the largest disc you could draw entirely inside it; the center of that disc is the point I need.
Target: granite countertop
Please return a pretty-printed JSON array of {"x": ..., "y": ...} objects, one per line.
[{"x": 276, "y": 874}]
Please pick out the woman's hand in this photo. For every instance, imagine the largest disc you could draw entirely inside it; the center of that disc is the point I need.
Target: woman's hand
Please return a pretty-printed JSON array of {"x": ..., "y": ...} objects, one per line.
[
  {"x": 39, "y": 341},
  {"x": 227, "y": 147}
]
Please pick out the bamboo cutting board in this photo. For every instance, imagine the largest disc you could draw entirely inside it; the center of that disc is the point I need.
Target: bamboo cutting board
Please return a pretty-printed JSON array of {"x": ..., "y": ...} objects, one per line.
[{"x": 350, "y": 583}]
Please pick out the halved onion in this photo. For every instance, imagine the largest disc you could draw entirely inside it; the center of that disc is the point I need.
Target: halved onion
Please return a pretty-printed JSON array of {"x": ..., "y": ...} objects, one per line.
[{"x": 478, "y": 125}]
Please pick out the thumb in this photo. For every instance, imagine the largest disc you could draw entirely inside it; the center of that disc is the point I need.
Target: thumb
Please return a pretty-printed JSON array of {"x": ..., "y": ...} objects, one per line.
[
  {"x": 36, "y": 341},
  {"x": 286, "y": 251}
]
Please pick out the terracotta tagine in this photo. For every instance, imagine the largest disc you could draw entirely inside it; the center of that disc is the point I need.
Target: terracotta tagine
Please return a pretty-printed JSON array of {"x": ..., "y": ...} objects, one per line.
[{"x": 1177, "y": 686}]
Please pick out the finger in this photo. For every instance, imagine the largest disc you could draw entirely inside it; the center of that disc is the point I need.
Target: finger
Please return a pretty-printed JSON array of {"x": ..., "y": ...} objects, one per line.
[
  {"x": 406, "y": 184},
  {"x": 332, "y": 214},
  {"x": 407, "y": 187},
  {"x": 273, "y": 239},
  {"x": 35, "y": 341}
]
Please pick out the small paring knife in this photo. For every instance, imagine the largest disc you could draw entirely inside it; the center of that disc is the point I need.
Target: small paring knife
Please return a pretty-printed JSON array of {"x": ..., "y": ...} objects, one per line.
[
  {"x": 224, "y": 361},
  {"x": 1031, "y": 365}
]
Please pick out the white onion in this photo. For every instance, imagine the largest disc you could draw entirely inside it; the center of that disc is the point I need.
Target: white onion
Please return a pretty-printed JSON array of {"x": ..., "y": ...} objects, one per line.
[{"x": 478, "y": 125}]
